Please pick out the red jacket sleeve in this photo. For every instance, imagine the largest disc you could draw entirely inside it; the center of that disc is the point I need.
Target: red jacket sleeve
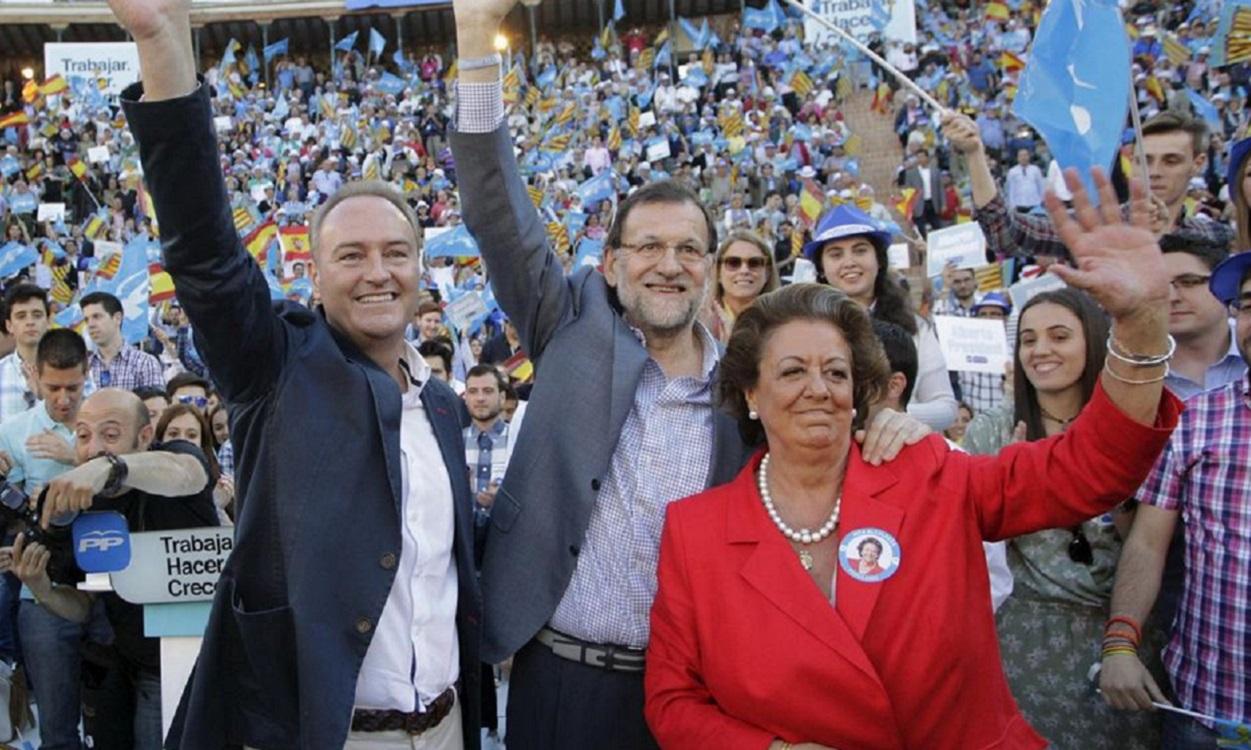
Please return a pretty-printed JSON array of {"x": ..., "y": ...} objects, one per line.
[
  {"x": 1061, "y": 481},
  {"x": 679, "y": 708}
]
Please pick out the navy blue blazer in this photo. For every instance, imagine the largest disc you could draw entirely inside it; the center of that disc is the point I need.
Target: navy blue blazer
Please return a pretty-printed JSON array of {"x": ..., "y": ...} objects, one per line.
[{"x": 315, "y": 426}]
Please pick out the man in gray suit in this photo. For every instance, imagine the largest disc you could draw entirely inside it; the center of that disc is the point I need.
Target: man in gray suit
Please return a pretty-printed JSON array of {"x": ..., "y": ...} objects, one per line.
[
  {"x": 925, "y": 177},
  {"x": 621, "y": 422}
]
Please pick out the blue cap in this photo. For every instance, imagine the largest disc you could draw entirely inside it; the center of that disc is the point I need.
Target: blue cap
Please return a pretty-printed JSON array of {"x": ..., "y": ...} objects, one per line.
[
  {"x": 845, "y": 221},
  {"x": 1226, "y": 277},
  {"x": 1237, "y": 158},
  {"x": 993, "y": 299}
]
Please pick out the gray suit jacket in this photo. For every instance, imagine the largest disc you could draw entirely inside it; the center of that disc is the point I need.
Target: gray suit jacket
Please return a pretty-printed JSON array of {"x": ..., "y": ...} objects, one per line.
[
  {"x": 912, "y": 179},
  {"x": 587, "y": 367}
]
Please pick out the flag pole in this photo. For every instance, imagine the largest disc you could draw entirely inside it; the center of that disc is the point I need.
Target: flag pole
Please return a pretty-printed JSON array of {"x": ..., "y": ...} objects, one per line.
[
  {"x": 904, "y": 80},
  {"x": 1140, "y": 153}
]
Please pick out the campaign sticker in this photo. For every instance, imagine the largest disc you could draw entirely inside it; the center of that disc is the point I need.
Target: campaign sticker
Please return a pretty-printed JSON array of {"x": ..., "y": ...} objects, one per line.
[{"x": 870, "y": 555}]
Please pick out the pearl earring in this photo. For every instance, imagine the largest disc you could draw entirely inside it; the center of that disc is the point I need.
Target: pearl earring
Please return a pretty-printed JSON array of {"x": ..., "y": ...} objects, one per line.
[
  {"x": 853, "y": 413},
  {"x": 752, "y": 415}
]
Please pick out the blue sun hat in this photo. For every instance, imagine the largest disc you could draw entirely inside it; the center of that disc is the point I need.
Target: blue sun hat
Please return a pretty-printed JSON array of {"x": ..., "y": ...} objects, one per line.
[
  {"x": 993, "y": 299},
  {"x": 1227, "y": 277},
  {"x": 845, "y": 221},
  {"x": 1237, "y": 160}
]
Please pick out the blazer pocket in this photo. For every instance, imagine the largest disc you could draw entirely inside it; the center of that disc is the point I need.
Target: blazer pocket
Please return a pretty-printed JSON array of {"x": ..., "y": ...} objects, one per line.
[
  {"x": 268, "y": 676},
  {"x": 504, "y": 511}
]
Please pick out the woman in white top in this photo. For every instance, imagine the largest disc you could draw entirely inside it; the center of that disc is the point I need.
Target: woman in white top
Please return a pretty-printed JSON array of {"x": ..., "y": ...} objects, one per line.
[{"x": 849, "y": 251}]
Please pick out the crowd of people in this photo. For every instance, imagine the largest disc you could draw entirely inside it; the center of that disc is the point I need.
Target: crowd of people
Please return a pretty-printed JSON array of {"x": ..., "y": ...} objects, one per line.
[{"x": 563, "y": 378}]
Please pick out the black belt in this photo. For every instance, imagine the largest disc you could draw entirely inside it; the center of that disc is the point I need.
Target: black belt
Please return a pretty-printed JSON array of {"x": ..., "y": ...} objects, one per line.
[
  {"x": 604, "y": 656},
  {"x": 415, "y": 723}
]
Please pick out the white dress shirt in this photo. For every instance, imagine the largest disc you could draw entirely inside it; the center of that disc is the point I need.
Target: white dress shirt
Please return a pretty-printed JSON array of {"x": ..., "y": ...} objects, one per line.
[{"x": 414, "y": 655}]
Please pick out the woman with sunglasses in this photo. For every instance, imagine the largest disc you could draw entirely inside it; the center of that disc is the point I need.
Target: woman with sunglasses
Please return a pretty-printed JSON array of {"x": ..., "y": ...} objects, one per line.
[
  {"x": 745, "y": 270},
  {"x": 1051, "y": 629}
]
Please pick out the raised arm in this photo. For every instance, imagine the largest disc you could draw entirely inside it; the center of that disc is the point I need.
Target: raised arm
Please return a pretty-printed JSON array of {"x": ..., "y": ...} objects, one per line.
[
  {"x": 526, "y": 274},
  {"x": 219, "y": 285}
]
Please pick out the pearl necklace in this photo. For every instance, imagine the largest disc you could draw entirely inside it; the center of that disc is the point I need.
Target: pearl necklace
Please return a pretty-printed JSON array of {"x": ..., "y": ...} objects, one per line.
[{"x": 802, "y": 536}]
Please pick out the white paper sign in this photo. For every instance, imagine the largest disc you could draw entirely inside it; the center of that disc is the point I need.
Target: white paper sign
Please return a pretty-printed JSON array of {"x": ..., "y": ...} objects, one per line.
[
  {"x": 51, "y": 212},
  {"x": 116, "y": 63},
  {"x": 857, "y": 19},
  {"x": 805, "y": 272},
  {"x": 897, "y": 255},
  {"x": 464, "y": 309},
  {"x": 962, "y": 244},
  {"x": 222, "y": 123},
  {"x": 658, "y": 150},
  {"x": 647, "y": 119},
  {"x": 97, "y": 154},
  {"x": 105, "y": 248},
  {"x": 1025, "y": 290},
  {"x": 174, "y": 566},
  {"x": 973, "y": 344}
]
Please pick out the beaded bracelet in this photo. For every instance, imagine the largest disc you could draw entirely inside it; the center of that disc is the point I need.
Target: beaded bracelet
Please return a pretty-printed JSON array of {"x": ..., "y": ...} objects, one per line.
[
  {"x": 1119, "y": 651},
  {"x": 1107, "y": 367},
  {"x": 1142, "y": 360}
]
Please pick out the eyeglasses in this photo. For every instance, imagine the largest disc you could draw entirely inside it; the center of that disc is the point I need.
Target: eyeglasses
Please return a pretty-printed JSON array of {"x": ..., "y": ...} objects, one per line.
[
  {"x": 688, "y": 254},
  {"x": 198, "y": 402},
  {"x": 1189, "y": 281},
  {"x": 734, "y": 263},
  {"x": 1079, "y": 549}
]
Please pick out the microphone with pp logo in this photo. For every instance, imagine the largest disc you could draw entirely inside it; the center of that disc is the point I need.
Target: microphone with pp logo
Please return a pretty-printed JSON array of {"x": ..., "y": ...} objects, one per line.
[{"x": 101, "y": 542}]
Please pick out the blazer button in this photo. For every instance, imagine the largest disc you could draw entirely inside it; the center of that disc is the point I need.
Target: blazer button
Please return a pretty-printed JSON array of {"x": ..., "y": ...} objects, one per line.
[
  {"x": 363, "y": 625},
  {"x": 388, "y": 561},
  {"x": 595, "y": 485}
]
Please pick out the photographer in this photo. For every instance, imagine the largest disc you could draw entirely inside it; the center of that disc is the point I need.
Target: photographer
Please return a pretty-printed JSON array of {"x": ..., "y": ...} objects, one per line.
[{"x": 156, "y": 488}]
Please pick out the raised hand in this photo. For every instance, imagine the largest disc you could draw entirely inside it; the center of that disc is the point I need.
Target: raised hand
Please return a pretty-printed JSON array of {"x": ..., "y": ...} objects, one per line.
[
  {"x": 1118, "y": 264},
  {"x": 162, "y": 32},
  {"x": 487, "y": 13},
  {"x": 962, "y": 132},
  {"x": 150, "y": 19}
]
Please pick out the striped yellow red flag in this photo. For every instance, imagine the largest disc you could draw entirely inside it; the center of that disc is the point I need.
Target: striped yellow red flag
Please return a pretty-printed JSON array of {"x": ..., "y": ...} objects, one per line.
[
  {"x": 77, "y": 167},
  {"x": 295, "y": 244},
  {"x": 614, "y": 139},
  {"x": 536, "y": 195},
  {"x": 1010, "y": 62},
  {"x": 907, "y": 201},
  {"x": 811, "y": 203},
  {"x": 54, "y": 85},
  {"x": 14, "y": 120},
  {"x": 989, "y": 278},
  {"x": 258, "y": 241},
  {"x": 160, "y": 283}
]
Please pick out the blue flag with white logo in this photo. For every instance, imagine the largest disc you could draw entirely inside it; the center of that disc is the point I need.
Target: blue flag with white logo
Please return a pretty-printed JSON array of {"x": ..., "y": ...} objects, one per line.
[
  {"x": 14, "y": 257},
  {"x": 1204, "y": 109},
  {"x": 1075, "y": 88},
  {"x": 454, "y": 243},
  {"x": 101, "y": 542},
  {"x": 391, "y": 84},
  {"x": 761, "y": 19},
  {"x": 377, "y": 43},
  {"x": 24, "y": 203},
  {"x": 601, "y": 187}
]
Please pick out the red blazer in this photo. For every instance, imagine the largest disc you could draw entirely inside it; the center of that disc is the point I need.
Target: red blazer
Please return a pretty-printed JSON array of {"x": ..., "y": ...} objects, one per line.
[{"x": 744, "y": 648}]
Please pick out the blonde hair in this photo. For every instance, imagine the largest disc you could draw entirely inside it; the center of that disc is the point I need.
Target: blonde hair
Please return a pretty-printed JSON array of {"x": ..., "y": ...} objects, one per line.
[{"x": 744, "y": 235}]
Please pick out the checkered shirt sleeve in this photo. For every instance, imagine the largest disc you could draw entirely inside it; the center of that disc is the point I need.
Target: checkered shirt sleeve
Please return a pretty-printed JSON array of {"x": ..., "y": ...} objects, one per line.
[{"x": 479, "y": 106}]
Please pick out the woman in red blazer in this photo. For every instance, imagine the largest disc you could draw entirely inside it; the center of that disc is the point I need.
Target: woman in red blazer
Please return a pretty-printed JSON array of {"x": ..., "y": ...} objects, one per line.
[{"x": 764, "y": 630}]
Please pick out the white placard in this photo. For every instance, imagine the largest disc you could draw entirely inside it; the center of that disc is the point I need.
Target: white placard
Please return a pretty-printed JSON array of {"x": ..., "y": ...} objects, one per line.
[
  {"x": 51, "y": 212},
  {"x": 174, "y": 566},
  {"x": 97, "y": 154},
  {"x": 463, "y": 310},
  {"x": 973, "y": 344},
  {"x": 117, "y": 63},
  {"x": 805, "y": 272},
  {"x": 647, "y": 119},
  {"x": 658, "y": 150},
  {"x": 1025, "y": 290},
  {"x": 222, "y": 123},
  {"x": 898, "y": 257},
  {"x": 855, "y": 16},
  {"x": 962, "y": 244},
  {"x": 105, "y": 248}
]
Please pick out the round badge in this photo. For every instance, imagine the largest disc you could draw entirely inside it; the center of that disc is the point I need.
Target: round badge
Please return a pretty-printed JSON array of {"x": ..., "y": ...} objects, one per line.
[{"x": 870, "y": 555}]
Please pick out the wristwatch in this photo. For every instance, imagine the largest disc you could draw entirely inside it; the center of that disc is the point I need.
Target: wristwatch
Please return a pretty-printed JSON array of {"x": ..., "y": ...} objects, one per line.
[
  {"x": 117, "y": 475},
  {"x": 478, "y": 63}
]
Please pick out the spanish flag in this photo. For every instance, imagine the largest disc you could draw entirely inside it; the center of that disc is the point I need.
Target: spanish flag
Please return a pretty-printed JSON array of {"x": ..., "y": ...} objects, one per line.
[
  {"x": 77, "y": 167},
  {"x": 519, "y": 367},
  {"x": 259, "y": 240},
  {"x": 997, "y": 11},
  {"x": 295, "y": 244},
  {"x": 907, "y": 202},
  {"x": 160, "y": 283},
  {"x": 811, "y": 203},
  {"x": 14, "y": 120},
  {"x": 54, "y": 85},
  {"x": 1010, "y": 63}
]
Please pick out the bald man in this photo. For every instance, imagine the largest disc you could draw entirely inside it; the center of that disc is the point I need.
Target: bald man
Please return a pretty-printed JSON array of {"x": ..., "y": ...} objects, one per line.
[{"x": 157, "y": 488}]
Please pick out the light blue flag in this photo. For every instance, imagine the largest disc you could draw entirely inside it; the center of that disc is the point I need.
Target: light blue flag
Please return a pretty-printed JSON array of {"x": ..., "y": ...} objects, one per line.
[
  {"x": 618, "y": 10},
  {"x": 601, "y": 187},
  {"x": 402, "y": 62},
  {"x": 69, "y": 317},
  {"x": 346, "y": 43},
  {"x": 589, "y": 253},
  {"x": 277, "y": 48},
  {"x": 251, "y": 60},
  {"x": 131, "y": 286},
  {"x": 761, "y": 19},
  {"x": 698, "y": 36},
  {"x": 58, "y": 252},
  {"x": 702, "y": 137},
  {"x": 391, "y": 84},
  {"x": 644, "y": 98},
  {"x": 1204, "y": 109},
  {"x": 229, "y": 57},
  {"x": 26, "y": 203},
  {"x": 546, "y": 78},
  {"x": 455, "y": 243},
  {"x": 779, "y": 15},
  {"x": 574, "y": 222},
  {"x": 664, "y": 55},
  {"x": 597, "y": 50},
  {"x": 377, "y": 43},
  {"x": 801, "y": 132},
  {"x": 276, "y": 292},
  {"x": 695, "y": 76},
  {"x": 879, "y": 16},
  {"x": 15, "y": 256},
  {"x": 282, "y": 108},
  {"x": 1075, "y": 88}
]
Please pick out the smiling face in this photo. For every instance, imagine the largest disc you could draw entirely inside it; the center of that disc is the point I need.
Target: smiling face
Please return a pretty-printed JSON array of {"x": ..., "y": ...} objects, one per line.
[
  {"x": 850, "y": 265},
  {"x": 743, "y": 272},
  {"x": 368, "y": 266},
  {"x": 661, "y": 294},
  {"x": 804, "y": 392},
  {"x": 1053, "y": 347}
]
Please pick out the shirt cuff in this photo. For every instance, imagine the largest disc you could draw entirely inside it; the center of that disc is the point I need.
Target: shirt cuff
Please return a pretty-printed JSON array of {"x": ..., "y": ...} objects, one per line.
[{"x": 479, "y": 106}]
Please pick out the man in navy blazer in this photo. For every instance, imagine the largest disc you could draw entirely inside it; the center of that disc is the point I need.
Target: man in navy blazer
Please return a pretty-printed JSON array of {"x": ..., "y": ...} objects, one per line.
[{"x": 349, "y": 607}]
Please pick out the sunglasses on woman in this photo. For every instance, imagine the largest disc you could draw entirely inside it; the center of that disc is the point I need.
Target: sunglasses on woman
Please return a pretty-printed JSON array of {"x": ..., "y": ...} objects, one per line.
[{"x": 753, "y": 264}]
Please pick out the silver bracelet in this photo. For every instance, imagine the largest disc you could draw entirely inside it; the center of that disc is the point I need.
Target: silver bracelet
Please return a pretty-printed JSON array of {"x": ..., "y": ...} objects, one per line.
[
  {"x": 1107, "y": 367},
  {"x": 1142, "y": 360},
  {"x": 478, "y": 63}
]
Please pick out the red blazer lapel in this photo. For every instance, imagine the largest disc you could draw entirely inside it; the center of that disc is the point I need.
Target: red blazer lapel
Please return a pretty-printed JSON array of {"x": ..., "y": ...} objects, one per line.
[
  {"x": 774, "y": 571},
  {"x": 854, "y": 599}
]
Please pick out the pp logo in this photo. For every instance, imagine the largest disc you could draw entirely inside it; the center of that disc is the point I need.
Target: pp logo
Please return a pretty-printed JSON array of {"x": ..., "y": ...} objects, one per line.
[{"x": 101, "y": 542}]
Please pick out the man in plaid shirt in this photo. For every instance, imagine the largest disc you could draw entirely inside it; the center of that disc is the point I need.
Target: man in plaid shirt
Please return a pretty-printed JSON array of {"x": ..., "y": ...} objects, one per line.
[
  {"x": 1205, "y": 475},
  {"x": 113, "y": 363}
]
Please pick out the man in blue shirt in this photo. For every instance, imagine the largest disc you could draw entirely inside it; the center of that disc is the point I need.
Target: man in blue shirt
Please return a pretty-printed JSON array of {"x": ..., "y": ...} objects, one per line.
[{"x": 35, "y": 447}]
